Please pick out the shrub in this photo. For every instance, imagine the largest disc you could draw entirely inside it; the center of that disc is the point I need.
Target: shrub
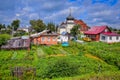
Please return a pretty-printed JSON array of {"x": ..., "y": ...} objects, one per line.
[
  {"x": 4, "y": 38},
  {"x": 62, "y": 68}
]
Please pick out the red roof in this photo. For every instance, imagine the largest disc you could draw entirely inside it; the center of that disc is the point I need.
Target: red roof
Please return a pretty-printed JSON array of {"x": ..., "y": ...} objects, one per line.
[
  {"x": 80, "y": 22},
  {"x": 111, "y": 34},
  {"x": 96, "y": 30},
  {"x": 83, "y": 25}
]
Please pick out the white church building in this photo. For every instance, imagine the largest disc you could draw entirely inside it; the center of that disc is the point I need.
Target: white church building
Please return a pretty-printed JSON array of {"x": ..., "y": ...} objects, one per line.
[{"x": 70, "y": 23}]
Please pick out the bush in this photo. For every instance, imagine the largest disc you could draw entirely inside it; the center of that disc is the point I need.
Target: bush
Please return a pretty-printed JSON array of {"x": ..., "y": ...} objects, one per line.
[
  {"x": 4, "y": 38},
  {"x": 62, "y": 68}
]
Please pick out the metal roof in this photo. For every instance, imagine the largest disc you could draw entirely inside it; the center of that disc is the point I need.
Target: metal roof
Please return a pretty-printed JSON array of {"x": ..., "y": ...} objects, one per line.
[
  {"x": 17, "y": 43},
  {"x": 111, "y": 34},
  {"x": 96, "y": 30}
]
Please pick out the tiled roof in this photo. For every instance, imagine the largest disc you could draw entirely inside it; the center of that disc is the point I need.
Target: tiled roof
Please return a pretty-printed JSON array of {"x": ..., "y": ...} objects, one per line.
[
  {"x": 96, "y": 30},
  {"x": 111, "y": 34}
]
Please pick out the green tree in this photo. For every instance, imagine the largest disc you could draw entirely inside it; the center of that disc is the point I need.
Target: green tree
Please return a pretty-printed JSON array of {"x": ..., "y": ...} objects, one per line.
[
  {"x": 51, "y": 26},
  {"x": 20, "y": 33},
  {"x": 114, "y": 29},
  {"x": 118, "y": 32},
  {"x": 15, "y": 24},
  {"x": 37, "y": 25},
  {"x": 75, "y": 30},
  {"x": 9, "y": 27},
  {"x": 110, "y": 28},
  {"x": 2, "y": 26},
  {"x": 4, "y": 38},
  {"x": 56, "y": 28}
]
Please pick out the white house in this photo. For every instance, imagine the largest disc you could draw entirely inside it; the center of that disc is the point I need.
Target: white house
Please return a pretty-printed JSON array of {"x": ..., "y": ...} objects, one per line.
[
  {"x": 109, "y": 37},
  {"x": 64, "y": 37}
]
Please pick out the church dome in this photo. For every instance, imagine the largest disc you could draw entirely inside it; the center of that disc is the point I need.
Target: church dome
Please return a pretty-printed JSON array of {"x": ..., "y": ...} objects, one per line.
[{"x": 70, "y": 17}]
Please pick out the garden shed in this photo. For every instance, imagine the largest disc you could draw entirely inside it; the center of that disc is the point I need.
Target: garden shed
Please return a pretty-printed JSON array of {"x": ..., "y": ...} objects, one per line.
[{"x": 17, "y": 43}]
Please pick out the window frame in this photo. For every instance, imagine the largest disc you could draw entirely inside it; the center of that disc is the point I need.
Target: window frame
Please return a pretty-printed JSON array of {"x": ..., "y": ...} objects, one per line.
[
  {"x": 117, "y": 37},
  {"x": 43, "y": 38},
  {"x": 103, "y": 38},
  {"x": 110, "y": 38}
]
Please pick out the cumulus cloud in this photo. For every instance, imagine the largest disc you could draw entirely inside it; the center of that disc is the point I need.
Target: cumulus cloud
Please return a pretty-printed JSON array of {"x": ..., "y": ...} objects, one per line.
[{"x": 93, "y": 12}]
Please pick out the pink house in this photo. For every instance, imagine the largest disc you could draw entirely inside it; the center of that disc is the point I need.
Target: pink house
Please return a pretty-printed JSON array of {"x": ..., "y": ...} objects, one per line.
[{"x": 45, "y": 37}]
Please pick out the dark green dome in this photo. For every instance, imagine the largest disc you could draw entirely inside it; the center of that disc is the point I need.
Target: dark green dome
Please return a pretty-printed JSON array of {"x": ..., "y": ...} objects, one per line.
[{"x": 70, "y": 17}]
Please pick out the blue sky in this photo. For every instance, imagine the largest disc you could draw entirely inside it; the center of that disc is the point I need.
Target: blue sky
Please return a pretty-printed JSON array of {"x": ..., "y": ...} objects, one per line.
[{"x": 92, "y": 12}]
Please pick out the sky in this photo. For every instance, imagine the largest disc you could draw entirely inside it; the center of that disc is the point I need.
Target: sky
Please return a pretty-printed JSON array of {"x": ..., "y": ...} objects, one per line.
[{"x": 92, "y": 12}]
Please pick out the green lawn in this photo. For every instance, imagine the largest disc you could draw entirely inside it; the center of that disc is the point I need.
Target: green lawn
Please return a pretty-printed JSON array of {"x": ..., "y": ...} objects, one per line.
[{"x": 100, "y": 59}]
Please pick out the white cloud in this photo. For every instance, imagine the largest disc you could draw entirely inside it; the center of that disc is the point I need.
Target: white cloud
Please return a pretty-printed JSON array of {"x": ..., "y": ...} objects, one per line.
[{"x": 57, "y": 11}]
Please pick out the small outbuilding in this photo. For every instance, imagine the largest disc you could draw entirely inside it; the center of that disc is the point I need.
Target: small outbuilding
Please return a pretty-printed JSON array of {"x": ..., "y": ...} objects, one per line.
[{"x": 17, "y": 43}]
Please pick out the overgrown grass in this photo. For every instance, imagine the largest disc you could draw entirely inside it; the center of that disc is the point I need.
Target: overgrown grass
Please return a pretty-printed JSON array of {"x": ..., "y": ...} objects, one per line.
[{"x": 75, "y": 53}]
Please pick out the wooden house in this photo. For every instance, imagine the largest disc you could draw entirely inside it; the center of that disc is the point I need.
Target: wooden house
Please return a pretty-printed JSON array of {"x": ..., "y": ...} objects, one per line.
[
  {"x": 94, "y": 32},
  {"x": 102, "y": 33},
  {"x": 45, "y": 37}
]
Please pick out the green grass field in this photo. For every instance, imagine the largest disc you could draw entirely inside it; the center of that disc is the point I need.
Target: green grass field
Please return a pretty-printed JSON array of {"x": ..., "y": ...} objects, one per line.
[{"x": 95, "y": 60}]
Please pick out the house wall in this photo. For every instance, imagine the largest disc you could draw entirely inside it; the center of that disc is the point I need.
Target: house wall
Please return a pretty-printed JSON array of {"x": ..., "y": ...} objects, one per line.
[
  {"x": 48, "y": 40},
  {"x": 64, "y": 38},
  {"x": 97, "y": 37},
  {"x": 62, "y": 30},
  {"x": 103, "y": 40},
  {"x": 113, "y": 39},
  {"x": 94, "y": 37},
  {"x": 108, "y": 40},
  {"x": 70, "y": 24}
]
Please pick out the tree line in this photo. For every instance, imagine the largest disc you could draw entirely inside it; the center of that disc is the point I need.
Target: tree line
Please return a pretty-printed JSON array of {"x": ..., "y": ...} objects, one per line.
[{"x": 35, "y": 26}]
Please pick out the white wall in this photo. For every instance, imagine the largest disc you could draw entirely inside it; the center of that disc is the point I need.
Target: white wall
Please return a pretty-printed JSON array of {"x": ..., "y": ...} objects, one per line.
[
  {"x": 107, "y": 38},
  {"x": 113, "y": 39},
  {"x": 69, "y": 27},
  {"x": 62, "y": 30}
]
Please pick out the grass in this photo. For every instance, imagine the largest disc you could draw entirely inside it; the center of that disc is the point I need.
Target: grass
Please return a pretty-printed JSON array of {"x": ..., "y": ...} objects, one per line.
[
  {"x": 101, "y": 76},
  {"x": 95, "y": 59}
]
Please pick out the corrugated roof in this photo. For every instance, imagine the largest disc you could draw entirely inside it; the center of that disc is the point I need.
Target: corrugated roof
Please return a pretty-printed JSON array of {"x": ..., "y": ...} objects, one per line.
[
  {"x": 17, "y": 43},
  {"x": 96, "y": 30},
  {"x": 37, "y": 34}
]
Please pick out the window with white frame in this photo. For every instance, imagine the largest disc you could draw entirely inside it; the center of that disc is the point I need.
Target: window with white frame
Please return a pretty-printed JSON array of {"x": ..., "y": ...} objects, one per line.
[{"x": 103, "y": 37}]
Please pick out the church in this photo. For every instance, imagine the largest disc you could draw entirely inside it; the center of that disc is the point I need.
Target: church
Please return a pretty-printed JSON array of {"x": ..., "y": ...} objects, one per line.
[{"x": 70, "y": 23}]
